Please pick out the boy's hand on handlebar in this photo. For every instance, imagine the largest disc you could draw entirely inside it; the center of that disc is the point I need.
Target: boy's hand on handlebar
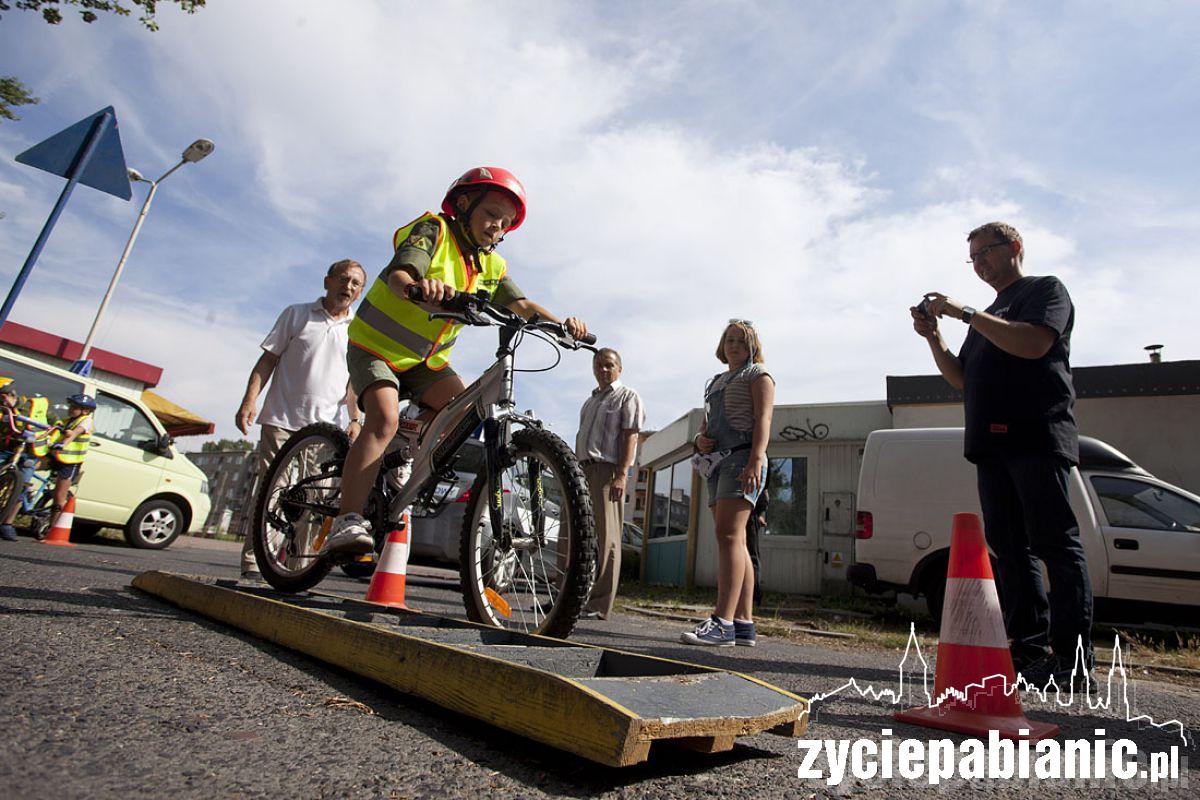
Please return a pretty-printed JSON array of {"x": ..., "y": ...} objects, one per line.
[
  {"x": 431, "y": 291},
  {"x": 576, "y": 327}
]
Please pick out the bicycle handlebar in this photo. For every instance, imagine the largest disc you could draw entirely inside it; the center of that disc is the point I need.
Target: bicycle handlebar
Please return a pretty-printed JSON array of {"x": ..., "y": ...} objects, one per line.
[{"x": 473, "y": 309}]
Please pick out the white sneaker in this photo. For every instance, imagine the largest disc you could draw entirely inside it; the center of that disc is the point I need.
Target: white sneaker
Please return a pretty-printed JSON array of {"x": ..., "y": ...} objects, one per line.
[{"x": 350, "y": 535}]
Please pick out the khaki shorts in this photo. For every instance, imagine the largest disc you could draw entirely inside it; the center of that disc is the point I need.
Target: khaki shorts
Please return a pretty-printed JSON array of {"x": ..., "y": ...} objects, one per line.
[{"x": 366, "y": 370}]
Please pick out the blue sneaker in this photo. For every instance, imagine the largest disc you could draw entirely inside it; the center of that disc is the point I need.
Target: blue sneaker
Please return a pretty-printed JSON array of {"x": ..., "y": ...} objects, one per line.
[
  {"x": 711, "y": 633},
  {"x": 744, "y": 634},
  {"x": 8, "y": 533}
]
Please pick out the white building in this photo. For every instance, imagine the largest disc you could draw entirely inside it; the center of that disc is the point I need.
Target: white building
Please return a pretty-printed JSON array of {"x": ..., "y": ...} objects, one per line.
[{"x": 1150, "y": 411}]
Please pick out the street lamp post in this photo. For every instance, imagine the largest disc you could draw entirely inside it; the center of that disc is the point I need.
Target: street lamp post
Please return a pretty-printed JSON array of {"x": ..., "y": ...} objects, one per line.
[{"x": 196, "y": 151}]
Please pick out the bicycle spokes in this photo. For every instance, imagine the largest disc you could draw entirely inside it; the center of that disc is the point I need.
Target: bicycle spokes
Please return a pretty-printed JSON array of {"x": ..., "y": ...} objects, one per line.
[
  {"x": 521, "y": 565},
  {"x": 303, "y": 497}
]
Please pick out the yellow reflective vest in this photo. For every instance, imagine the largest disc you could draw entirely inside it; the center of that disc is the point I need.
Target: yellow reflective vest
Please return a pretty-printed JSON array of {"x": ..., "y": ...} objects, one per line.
[
  {"x": 398, "y": 330},
  {"x": 74, "y": 451},
  {"x": 39, "y": 407}
]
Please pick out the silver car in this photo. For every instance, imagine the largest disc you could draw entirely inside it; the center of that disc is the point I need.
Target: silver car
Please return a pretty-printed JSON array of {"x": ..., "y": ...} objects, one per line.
[{"x": 436, "y": 536}]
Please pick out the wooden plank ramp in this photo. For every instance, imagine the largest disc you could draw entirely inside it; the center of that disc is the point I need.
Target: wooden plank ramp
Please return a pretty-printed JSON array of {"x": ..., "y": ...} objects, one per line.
[{"x": 605, "y": 705}]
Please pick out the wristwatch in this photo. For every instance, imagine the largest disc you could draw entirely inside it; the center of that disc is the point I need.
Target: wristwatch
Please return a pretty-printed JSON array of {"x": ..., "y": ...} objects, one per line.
[{"x": 968, "y": 314}]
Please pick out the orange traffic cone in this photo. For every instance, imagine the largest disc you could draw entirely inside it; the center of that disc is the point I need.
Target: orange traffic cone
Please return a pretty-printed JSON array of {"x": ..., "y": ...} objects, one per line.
[
  {"x": 387, "y": 584},
  {"x": 975, "y": 682},
  {"x": 60, "y": 531}
]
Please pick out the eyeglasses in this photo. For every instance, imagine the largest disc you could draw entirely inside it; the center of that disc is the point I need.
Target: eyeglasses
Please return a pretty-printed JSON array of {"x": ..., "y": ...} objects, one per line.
[
  {"x": 983, "y": 251},
  {"x": 745, "y": 322}
]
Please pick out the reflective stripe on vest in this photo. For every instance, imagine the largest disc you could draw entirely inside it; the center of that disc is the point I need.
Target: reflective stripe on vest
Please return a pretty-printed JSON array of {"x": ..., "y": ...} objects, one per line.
[
  {"x": 39, "y": 407},
  {"x": 73, "y": 452},
  {"x": 398, "y": 330}
]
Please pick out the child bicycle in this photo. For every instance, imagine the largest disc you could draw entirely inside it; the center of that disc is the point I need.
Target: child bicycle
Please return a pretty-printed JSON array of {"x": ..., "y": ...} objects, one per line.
[
  {"x": 528, "y": 543},
  {"x": 35, "y": 501}
]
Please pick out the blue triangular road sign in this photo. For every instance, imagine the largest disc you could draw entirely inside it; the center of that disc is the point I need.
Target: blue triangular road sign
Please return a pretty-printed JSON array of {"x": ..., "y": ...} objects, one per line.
[{"x": 106, "y": 171}]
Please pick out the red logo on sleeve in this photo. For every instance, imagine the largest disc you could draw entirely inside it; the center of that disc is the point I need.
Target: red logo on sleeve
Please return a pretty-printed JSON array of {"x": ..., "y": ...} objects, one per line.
[{"x": 997, "y": 427}]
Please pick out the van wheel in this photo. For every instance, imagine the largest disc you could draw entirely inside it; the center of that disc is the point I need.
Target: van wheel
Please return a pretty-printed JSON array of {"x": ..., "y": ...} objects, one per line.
[
  {"x": 154, "y": 525},
  {"x": 933, "y": 586}
]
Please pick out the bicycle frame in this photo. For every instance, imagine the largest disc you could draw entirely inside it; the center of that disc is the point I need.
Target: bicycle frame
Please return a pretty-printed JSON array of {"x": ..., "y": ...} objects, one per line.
[{"x": 445, "y": 434}]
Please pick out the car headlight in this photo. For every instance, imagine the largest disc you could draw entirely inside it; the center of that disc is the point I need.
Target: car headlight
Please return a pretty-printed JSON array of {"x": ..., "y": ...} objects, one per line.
[{"x": 203, "y": 487}]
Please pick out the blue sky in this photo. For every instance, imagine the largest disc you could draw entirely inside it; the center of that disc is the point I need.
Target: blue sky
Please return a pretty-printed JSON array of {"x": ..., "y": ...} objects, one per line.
[{"x": 811, "y": 166}]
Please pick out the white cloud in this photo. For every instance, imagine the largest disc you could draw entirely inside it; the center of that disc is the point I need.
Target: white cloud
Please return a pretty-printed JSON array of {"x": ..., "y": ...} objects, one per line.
[{"x": 335, "y": 123}]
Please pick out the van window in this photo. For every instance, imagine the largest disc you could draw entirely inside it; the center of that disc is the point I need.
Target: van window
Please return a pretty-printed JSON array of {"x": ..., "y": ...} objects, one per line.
[
  {"x": 1135, "y": 504},
  {"x": 123, "y": 422},
  {"x": 787, "y": 511},
  {"x": 32, "y": 381}
]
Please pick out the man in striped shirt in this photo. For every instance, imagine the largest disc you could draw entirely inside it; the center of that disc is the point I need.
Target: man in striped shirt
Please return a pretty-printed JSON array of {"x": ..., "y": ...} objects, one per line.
[{"x": 606, "y": 445}]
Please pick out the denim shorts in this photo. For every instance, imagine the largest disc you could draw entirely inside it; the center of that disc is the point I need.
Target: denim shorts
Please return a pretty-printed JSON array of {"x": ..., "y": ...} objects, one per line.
[
  {"x": 65, "y": 471},
  {"x": 723, "y": 483}
]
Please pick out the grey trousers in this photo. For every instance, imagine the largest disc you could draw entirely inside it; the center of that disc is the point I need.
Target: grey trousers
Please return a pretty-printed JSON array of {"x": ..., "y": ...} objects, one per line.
[
  {"x": 270, "y": 441},
  {"x": 600, "y": 475}
]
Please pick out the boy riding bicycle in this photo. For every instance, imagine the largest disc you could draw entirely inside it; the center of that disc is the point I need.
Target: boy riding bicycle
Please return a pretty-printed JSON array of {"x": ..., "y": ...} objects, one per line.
[
  {"x": 14, "y": 436},
  {"x": 70, "y": 447},
  {"x": 397, "y": 352}
]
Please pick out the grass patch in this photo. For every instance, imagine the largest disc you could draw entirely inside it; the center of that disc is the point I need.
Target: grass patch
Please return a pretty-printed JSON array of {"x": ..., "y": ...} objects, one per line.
[
  {"x": 1174, "y": 649},
  {"x": 883, "y": 625},
  {"x": 874, "y": 623}
]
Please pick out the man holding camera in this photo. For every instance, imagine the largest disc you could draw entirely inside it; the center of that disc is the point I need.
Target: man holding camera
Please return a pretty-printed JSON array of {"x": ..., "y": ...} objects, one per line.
[{"x": 1015, "y": 375}]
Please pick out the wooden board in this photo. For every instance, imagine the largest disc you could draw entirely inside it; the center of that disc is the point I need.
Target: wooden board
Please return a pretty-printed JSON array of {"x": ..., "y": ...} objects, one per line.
[{"x": 604, "y": 705}]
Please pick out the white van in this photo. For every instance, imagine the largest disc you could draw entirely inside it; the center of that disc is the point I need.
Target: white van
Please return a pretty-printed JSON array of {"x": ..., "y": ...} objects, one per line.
[
  {"x": 1141, "y": 535},
  {"x": 133, "y": 478}
]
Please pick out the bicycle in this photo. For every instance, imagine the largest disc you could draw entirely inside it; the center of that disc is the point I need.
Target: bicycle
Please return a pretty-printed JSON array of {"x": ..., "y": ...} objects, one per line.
[
  {"x": 35, "y": 501},
  {"x": 528, "y": 543}
]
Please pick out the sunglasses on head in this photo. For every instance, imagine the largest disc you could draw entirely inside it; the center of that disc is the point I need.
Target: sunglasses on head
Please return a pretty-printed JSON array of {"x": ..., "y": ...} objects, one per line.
[{"x": 745, "y": 322}]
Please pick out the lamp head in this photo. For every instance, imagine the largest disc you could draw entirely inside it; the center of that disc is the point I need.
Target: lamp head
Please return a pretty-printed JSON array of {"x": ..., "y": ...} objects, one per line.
[
  {"x": 198, "y": 150},
  {"x": 135, "y": 176}
]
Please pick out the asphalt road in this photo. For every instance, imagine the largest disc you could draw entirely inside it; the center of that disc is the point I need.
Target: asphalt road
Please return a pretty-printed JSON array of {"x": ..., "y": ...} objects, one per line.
[{"x": 107, "y": 692}]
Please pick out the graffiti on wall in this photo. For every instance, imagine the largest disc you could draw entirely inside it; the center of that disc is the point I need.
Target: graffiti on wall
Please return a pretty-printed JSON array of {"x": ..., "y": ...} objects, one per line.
[{"x": 805, "y": 433}]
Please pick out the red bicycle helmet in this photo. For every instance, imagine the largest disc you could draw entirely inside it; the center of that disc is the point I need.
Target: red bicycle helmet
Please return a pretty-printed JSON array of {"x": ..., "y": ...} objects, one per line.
[{"x": 495, "y": 177}]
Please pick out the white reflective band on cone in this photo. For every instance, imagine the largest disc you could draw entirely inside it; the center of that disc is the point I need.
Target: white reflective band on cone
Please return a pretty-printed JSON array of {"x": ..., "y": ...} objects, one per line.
[
  {"x": 395, "y": 558},
  {"x": 971, "y": 614}
]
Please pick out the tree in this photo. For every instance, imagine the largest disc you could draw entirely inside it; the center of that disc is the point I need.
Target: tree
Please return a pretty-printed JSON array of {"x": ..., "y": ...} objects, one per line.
[
  {"x": 227, "y": 444},
  {"x": 13, "y": 93},
  {"x": 52, "y": 13}
]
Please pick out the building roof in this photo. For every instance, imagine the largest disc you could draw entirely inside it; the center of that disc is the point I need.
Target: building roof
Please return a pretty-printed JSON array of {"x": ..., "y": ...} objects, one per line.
[
  {"x": 18, "y": 335},
  {"x": 1118, "y": 380}
]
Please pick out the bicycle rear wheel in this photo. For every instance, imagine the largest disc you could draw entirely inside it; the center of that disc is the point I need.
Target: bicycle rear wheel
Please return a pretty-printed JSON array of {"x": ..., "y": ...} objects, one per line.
[
  {"x": 299, "y": 494},
  {"x": 535, "y": 574}
]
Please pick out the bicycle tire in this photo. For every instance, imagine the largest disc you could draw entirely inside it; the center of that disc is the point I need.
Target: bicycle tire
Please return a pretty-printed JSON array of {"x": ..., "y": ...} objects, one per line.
[
  {"x": 41, "y": 518},
  {"x": 289, "y": 563},
  {"x": 483, "y": 569},
  {"x": 8, "y": 484}
]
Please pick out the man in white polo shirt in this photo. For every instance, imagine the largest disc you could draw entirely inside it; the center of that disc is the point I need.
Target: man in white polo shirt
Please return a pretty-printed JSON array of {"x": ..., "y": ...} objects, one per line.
[
  {"x": 304, "y": 358},
  {"x": 606, "y": 446}
]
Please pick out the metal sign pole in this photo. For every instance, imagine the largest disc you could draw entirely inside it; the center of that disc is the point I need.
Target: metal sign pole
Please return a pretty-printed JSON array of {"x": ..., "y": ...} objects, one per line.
[{"x": 98, "y": 129}]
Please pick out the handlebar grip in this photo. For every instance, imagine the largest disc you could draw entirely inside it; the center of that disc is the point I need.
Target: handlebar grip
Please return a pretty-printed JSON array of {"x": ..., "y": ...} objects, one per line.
[
  {"x": 415, "y": 293},
  {"x": 589, "y": 338}
]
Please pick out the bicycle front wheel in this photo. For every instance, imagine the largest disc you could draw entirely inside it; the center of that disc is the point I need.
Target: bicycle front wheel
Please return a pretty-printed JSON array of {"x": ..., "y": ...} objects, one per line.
[
  {"x": 9, "y": 482},
  {"x": 535, "y": 573},
  {"x": 296, "y": 501}
]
